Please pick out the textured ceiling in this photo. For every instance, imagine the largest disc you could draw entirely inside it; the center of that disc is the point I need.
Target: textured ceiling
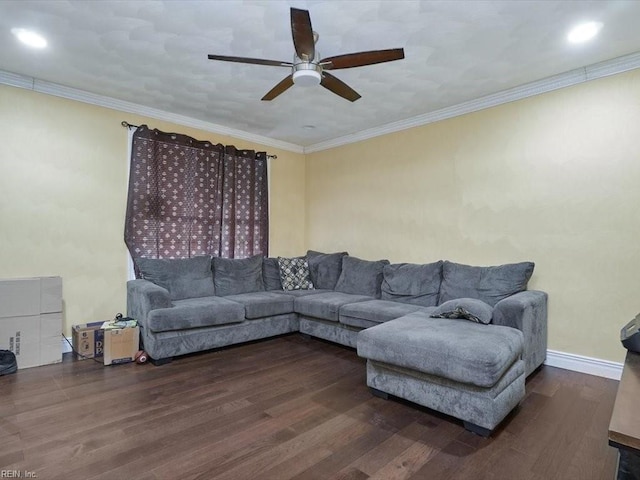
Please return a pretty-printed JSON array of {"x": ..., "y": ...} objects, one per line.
[{"x": 154, "y": 53}]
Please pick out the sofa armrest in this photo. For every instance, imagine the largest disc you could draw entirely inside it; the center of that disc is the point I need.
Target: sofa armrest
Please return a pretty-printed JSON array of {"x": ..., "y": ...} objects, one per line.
[
  {"x": 144, "y": 296},
  {"x": 526, "y": 311}
]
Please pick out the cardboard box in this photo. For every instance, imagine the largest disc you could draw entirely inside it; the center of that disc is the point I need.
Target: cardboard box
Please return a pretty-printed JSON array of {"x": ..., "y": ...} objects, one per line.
[
  {"x": 50, "y": 294},
  {"x": 121, "y": 345},
  {"x": 31, "y": 319},
  {"x": 50, "y": 350},
  {"x": 88, "y": 340},
  {"x": 30, "y": 296},
  {"x": 19, "y": 297},
  {"x": 21, "y": 335},
  {"x": 50, "y": 338},
  {"x": 35, "y": 339}
]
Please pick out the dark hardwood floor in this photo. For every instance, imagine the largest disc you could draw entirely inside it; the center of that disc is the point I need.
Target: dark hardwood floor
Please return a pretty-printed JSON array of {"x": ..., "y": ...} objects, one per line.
[{"x": 285, "y": 408}]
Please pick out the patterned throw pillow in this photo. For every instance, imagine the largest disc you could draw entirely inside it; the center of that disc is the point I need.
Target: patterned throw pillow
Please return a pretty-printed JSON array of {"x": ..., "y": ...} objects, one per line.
[
  {"x": 466, "y": 309},
  {"x": 294, "y": 273}
]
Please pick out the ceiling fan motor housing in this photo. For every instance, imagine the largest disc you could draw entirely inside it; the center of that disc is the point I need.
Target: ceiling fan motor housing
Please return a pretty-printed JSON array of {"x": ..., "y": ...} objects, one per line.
[{"x": 306, "y": 74}]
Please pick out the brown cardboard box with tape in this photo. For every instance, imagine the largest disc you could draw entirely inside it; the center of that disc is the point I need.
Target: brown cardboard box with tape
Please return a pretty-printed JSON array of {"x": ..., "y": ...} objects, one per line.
[
  {"x": 88, "y": 340},
  {"x": 121, "y": 345}
]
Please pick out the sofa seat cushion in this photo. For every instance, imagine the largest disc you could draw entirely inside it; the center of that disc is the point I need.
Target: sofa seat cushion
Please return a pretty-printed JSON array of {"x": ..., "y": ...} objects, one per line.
[
  {"x": 195, "y": 313},
  {"x": 263, "y": 304},
  {"x": 458, "y": 350},
  {"x": 326, "y": 305},
  {"x": 372, "y": 312}
]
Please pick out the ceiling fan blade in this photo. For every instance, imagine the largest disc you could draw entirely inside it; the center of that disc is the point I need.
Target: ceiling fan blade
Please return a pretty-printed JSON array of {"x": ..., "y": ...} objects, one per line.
[
  {"x": 361, "y": 59},
  {"x": 338, "y": 87},
  {"x": 256, "y": 61},
  {"x": 302, "y": 34},
  {"x": 286, "y": 83}
]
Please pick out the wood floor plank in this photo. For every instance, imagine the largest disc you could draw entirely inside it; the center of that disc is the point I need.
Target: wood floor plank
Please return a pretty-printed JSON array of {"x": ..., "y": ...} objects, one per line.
[
  {"x": 332, "y": 428},
  {"x": 445, "y": 462},
  {"x": 406, "y": 463},
  {"x": 391, "y": 448},
  {"x": 252, "y": 441},
  {"x": 286, "y": 408},
  {"x": 353, "y": 443}
]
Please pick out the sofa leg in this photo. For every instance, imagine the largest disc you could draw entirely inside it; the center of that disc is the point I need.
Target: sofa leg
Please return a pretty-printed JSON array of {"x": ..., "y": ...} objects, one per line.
[
  {"x": 160, "y": 361},
  {"x": 478, "y": 430},
  {"x": 379, "y": 393}
]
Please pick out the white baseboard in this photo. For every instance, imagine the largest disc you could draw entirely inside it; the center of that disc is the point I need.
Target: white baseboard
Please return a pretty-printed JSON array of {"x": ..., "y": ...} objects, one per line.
[
  {"x": 567, "y": 361},
  {"x": 579, "y": 363}
]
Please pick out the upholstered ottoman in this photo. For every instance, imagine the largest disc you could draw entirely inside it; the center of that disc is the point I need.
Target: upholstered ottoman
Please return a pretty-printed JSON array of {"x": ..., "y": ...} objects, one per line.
[{"x": 471, "y": 371}]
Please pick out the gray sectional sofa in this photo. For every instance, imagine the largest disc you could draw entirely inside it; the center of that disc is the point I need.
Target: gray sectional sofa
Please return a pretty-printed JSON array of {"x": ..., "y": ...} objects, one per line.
[{"x": 456, "y": 338}]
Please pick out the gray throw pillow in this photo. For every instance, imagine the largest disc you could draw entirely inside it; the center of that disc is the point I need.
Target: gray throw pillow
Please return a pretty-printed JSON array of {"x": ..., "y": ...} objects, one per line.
[
  {"x": 466, "y": 309},
  {"x": 411, "y": 283},
  {"x": 361, "y": 277},
  {"x": 182, "y": 277},
  {"x": 294, "y": 273},
  {"x": 489, "y": 284},
  {"x": 233, "y": 276},
  {"x": 325, "y": 268},
  {"x": 271, "y": 274}
]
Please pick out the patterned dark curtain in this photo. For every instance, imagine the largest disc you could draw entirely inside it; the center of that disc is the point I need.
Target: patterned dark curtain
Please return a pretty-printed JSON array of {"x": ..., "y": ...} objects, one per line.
[{"x": 189, "y": 197}]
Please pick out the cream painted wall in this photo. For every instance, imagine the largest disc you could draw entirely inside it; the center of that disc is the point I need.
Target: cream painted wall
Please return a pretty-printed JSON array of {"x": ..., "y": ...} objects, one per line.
[
  {"x": 554, "y": 179},
  {"x": 63, "y": 193}
]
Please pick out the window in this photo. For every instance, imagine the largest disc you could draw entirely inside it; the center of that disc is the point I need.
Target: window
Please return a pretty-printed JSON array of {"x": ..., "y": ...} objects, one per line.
[{"x": 189, "y": 197}]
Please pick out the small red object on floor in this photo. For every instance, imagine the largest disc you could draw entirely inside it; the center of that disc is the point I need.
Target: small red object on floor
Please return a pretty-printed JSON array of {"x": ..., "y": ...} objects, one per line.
[{"x": 141, "y": 357}]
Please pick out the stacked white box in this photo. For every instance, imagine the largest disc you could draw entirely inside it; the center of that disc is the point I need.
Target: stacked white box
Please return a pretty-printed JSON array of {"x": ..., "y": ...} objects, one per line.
[{"x": 31, "y": 319}]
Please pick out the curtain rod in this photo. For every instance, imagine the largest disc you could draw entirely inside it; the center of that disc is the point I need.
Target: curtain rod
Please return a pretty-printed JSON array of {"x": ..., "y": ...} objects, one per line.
[{"x": 126, "y": 124}]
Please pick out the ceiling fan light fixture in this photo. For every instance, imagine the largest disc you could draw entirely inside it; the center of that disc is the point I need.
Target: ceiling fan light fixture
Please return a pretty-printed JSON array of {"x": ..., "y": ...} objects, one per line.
[{"x": 306, "y": 78}]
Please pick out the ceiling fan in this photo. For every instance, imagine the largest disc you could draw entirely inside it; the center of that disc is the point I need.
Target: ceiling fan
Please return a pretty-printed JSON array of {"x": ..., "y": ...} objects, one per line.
[{"x": 307, "y": 69}]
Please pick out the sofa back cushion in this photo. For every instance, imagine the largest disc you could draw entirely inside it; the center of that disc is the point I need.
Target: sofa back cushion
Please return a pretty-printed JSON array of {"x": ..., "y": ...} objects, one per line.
[
  {"x": 361, "y": 277},
  {"x": 325, "y": 268},
  {"x": 182, "y": 277},
  {"x": 233, "y": 276},
  {"x": 411, "y": 283},
  {"x": 489, "y": 284},
  {"x": 271, "y": 274}
]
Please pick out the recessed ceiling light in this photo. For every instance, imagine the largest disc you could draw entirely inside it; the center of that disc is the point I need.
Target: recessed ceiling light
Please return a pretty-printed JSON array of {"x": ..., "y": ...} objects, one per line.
[
  {"x": 29, "y": 37},
  {"x": 584, "y": 32}
]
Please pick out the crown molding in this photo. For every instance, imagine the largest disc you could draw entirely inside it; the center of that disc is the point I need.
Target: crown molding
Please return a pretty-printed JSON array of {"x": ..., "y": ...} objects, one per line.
[
  {"x": 15, "y": 80},
  {"x": 572, "y": 77},
  {"x": 49, "y": 88}
]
